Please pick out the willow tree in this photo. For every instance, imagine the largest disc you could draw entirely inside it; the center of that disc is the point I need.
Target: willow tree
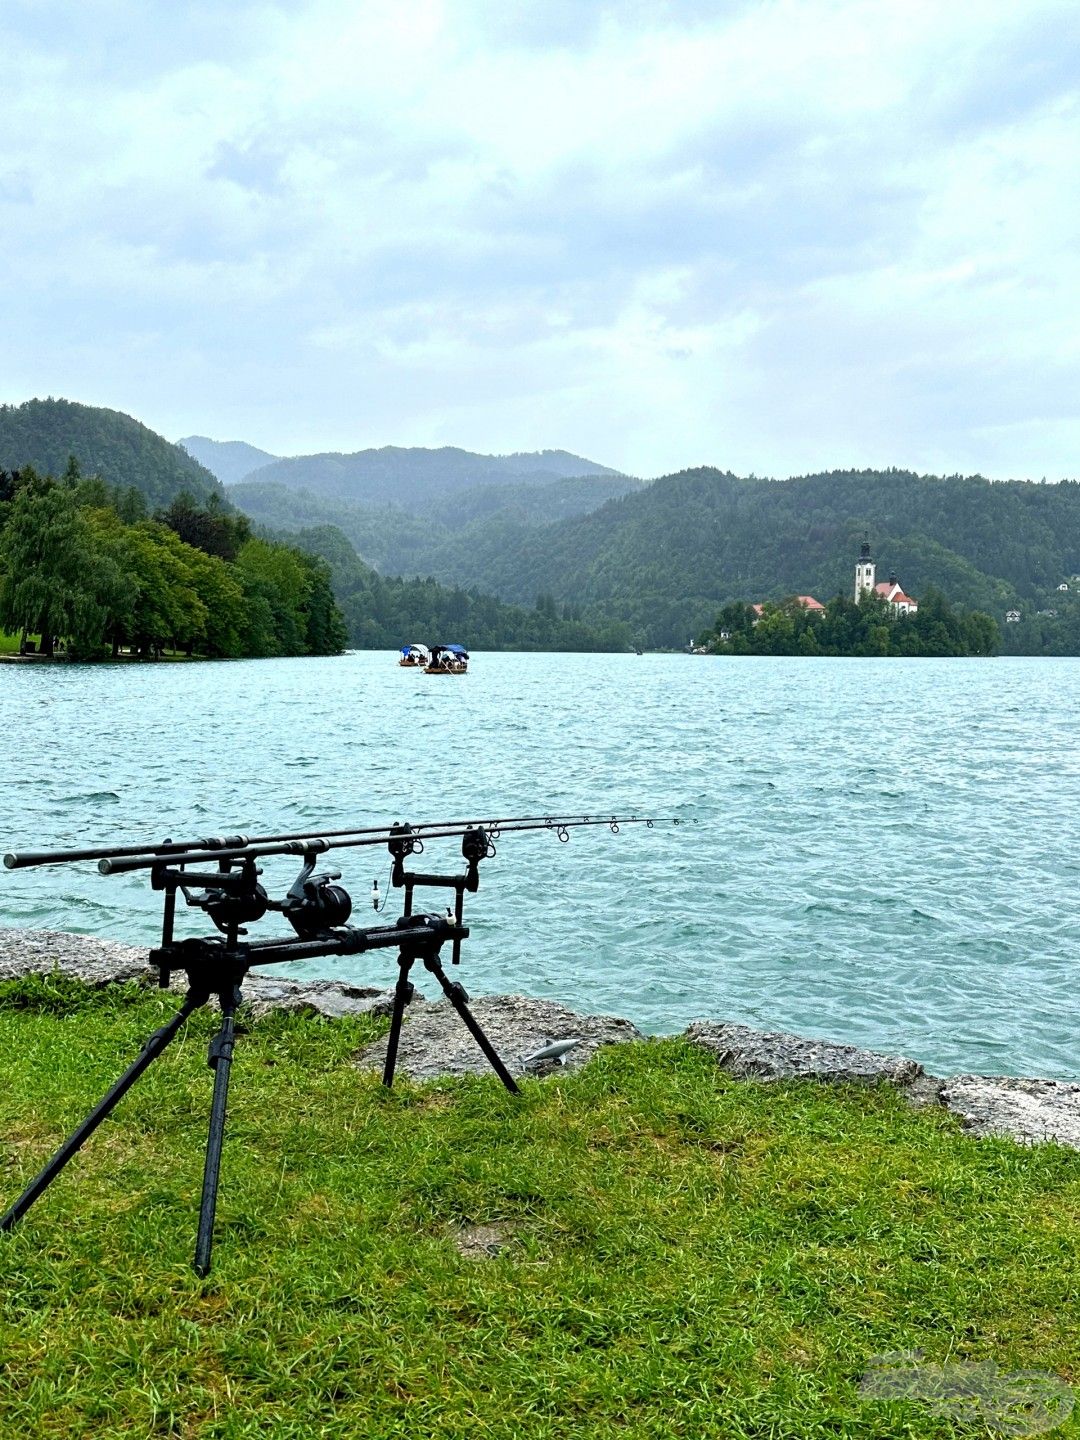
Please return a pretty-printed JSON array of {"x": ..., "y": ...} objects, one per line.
[{"x": 48, "y": 569}]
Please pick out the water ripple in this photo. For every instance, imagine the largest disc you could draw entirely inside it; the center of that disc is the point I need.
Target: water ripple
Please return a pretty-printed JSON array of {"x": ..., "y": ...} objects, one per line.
[{"x": 887, "y": 851}]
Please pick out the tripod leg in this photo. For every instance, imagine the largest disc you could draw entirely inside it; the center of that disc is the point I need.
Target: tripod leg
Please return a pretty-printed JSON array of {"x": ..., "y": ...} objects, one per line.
[
  {"x": 403, "y": 993},
  {"x": 455, "y": 993},
  {"x": 220, "y": 1061},
  {"x": 149, "y": 1053}
]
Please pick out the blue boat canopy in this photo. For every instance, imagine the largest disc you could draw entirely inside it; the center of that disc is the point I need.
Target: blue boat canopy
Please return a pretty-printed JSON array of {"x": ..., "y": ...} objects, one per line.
[
  {"x": 456, "y": 650},
  {"x": 407, "y": 650}
]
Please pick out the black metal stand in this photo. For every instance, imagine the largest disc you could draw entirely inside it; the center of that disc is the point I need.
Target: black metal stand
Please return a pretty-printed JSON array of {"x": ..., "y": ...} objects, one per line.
[
  {"x": 219, "y": 1059},
  {"x": 218, "y": 967},
  {"x": 456, "y": 993},
  {"x": 149, "y": 1053}
]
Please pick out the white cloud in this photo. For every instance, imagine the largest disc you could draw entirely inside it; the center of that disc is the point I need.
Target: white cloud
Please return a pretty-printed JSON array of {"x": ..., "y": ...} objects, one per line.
[{"x": 770, "y": 236}]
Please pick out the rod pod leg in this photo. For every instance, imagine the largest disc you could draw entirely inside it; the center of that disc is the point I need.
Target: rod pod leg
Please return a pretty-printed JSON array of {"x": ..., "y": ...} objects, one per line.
[
  {"x": 403, "y": 993},
  {"x": 153, "y": 1047},
  {"x": 458, "y": 997},
  {"x": 220, "y": 1061}
]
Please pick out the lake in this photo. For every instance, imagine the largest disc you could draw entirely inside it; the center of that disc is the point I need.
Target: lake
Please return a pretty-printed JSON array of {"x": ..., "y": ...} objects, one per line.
[{"x": 885, "y": 852}]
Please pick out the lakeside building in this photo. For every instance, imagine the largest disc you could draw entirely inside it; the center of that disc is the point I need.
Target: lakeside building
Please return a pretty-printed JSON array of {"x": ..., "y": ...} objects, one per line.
[
  {"x": 890, "y": 590},
  {"x": 806, "y": 601}
]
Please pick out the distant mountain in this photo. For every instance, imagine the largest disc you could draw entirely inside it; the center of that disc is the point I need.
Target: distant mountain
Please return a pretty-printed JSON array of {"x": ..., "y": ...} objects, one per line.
[
  {"x": 229, "y": 460},
  {"x": 415, "y": 478},
  {"x": 44, "y": 433}
]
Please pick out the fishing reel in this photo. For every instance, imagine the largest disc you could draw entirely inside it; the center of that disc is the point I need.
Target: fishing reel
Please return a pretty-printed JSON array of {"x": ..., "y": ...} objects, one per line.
[
  {"x": 231, "y": 897},
  {"x": 314, "y": 904}
]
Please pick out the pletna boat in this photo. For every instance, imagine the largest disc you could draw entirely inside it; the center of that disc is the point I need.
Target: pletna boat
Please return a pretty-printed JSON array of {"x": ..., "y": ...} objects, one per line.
[
  {"x": 414, "y": 657},
  {"x": 447, "y": 660}
]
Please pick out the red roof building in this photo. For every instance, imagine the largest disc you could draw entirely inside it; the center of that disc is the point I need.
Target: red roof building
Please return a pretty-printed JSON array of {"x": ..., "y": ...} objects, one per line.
[{"x": 891, "y": 591}]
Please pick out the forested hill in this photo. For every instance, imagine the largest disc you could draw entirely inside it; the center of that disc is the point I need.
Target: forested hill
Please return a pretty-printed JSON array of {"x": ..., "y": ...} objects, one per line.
[
  {"x": 666, "y": 556},
  {"x": 413, "y": 477},
  {"x": 410, "y": 542},
  {"x": 382, "y": 612},
  {"x": 229, "y": 460},
  {"x": 45, "y": 433}
]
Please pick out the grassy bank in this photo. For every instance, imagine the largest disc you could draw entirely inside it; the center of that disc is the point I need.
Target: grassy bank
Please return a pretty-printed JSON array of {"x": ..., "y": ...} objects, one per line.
[{"x": 683, "y": 1254}]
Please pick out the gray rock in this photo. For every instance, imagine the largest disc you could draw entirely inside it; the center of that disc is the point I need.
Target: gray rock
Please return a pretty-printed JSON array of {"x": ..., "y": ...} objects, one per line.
[
  {"x": 767, "y": 1055},
  {"x": 924, "y": 1092},
  {"x": 434, "y": 1041},
  {"x": 330, "y": 998},
  {"x": 79, "y": 957},
  {"x": 1025, "y": 1110}
]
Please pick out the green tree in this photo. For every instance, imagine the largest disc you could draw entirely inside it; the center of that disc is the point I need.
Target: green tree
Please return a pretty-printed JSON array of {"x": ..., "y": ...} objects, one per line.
[{"x": 50, "y": 575}]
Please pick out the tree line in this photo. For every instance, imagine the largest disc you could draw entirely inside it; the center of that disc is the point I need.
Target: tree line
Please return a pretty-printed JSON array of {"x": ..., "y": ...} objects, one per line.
[
  {"x": 383, "y": 611},
  {"x": 83, "y": 565},
  {"x": 870, "y": 627}
]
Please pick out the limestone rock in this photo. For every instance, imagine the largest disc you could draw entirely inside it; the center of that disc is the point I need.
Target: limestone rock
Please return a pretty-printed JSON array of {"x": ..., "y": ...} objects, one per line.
[
  {"x": 768, "y": 1055},
  {"x": 1025, "y": 1110},
  {"x": 434, "y": 1041},
  {"x": 79, "y": 957},
  {"x": 330, "y": 998}
]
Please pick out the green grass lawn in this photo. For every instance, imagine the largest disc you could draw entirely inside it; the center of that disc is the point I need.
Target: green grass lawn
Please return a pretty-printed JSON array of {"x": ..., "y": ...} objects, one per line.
[{"x": 685, "y": 1255}]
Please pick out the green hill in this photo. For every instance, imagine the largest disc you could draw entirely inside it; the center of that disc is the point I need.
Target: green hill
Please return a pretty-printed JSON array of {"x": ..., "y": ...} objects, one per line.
[
  {"x": 414, "y": 477},
  {"x": 45, "y": 433},
  {"x": 414, "y": 542},
  {"x": 382, "y": 612},
  {"x": 666, "y": 556}
]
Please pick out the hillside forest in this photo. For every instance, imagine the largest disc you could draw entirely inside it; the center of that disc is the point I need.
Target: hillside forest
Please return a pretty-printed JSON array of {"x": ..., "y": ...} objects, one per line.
[
  {"x": 84, "y": 567},
  {"x": 520, "y": 552}
]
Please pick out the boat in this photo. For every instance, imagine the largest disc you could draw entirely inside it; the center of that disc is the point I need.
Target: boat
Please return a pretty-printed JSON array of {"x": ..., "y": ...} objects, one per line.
[
  {"x": 414, "y": 657},
  {"x": 447, "y": 660}
]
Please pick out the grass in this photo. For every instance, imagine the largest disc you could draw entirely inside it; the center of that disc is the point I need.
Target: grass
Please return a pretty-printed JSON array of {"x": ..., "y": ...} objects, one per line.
[{"x": 685, "y": 1255}]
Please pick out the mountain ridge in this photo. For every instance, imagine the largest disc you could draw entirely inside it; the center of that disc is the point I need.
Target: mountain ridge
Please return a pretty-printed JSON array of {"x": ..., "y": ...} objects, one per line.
[{"x": 229, "y": 460}]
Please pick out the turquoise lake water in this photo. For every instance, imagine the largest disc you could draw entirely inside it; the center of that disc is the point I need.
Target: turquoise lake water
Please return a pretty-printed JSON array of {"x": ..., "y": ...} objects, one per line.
[{"x": 886, "y": 852}]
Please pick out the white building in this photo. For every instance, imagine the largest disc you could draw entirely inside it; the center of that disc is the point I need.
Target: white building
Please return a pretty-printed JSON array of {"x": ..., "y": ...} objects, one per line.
[
  {"x": 890, "y": 590},
  {"x": 1012, "y": 617}
]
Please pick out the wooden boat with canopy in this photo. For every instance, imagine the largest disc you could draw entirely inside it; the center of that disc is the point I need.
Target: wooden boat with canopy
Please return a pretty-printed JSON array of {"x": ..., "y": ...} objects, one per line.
[
  {"x": 414, "y": 657},
  {"x": 447, "y": 660}
]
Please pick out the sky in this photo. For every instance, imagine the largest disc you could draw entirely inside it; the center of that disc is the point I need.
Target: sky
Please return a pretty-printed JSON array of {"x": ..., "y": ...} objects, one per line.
[{"x": 775, "y": 236}]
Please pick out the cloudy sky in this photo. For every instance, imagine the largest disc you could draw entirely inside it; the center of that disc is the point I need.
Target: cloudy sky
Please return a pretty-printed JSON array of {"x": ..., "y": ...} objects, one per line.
[{"x": 770, "y": 235}]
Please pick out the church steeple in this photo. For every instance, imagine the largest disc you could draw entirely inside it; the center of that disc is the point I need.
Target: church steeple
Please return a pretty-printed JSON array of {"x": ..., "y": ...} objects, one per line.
[{"x": 864, "y": 570}]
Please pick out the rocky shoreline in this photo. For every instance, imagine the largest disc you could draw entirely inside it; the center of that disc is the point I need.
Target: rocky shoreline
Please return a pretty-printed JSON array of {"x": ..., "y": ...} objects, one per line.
[{"x": 434, "y": 1043}]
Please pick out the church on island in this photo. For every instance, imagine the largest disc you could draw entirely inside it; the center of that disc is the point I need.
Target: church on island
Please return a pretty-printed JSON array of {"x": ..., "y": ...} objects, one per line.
[{"x": 890, "y": 590}]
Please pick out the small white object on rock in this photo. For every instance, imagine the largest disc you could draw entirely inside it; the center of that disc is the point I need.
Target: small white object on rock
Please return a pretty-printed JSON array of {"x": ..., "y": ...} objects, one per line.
[{"x": 434, "y": 1042}]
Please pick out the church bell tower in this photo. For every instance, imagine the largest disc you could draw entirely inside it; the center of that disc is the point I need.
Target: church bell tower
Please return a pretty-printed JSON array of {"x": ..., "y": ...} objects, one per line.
[{"x": 864, "y": 570}]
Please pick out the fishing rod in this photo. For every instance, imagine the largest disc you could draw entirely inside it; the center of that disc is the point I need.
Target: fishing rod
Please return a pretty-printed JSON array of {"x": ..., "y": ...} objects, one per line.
[
  {"x": 22, "y": 859},
  {"x": 319, "y": 844},
  {"x": 318, "y": 911}
]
